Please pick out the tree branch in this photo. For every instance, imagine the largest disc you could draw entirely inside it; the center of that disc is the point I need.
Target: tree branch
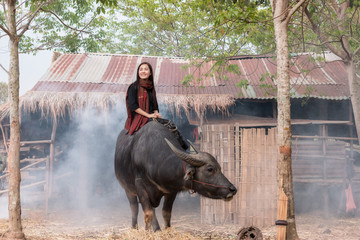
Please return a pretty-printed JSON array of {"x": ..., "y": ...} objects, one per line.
[
  {"x": 318, "y": 32},
  {"x": 356, "y": 51},
  {"x": 351, "y": 20},
  {"x": 4, "y": 28},
  {"x": 172, "y": 24},
  {"x": 77, "y": 30},
  {"x": 343, "y": 42},
  {"x": 20, "y": 4},
  {"x": 22, "y": 19},
  {"x": 7, "y": 72},
  {"x": 26, "y": 26},
  {"x": 335, "y": 6},
  {"x": 294, "y": 9}
]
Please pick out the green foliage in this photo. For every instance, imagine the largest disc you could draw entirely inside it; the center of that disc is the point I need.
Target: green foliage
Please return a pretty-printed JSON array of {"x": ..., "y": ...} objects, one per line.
[
  {"x": 200, "y": 30},
  {"x": 333, "y": 29},
  {"x": 67, "y": 26},
  {"x": 2, "y": 18},
  {"x": 187, "y": 80},
  {"x": 309, "y": 91},
  {"x": 191, "y": 29},
  {"x": 243, "y": 83}
]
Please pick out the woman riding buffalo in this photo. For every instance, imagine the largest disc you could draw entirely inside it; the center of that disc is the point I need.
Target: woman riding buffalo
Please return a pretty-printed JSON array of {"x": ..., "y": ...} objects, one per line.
[
  {"x": 142, "y": 107},
  {"x": 141, "y": 102}
]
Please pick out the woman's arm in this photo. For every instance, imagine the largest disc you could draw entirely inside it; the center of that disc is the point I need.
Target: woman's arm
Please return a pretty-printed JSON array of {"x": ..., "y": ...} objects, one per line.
[{"x": 148, "y": 115}]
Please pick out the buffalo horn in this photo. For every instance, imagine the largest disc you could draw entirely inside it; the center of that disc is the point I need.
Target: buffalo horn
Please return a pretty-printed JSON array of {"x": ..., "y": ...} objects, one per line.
[
  {"x": 192, "y": 159},
  {"x": 193, "y": 147}
]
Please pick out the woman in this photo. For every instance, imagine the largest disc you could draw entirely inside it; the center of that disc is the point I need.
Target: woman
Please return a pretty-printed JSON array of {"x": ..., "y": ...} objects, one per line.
[
  {"x": 141, "y": 102},
  {"x": 142, "y": 106}
]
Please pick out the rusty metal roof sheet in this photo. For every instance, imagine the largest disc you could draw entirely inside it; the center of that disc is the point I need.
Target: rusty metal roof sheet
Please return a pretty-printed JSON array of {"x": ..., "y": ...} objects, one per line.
[{"x": 112, "y": 73}]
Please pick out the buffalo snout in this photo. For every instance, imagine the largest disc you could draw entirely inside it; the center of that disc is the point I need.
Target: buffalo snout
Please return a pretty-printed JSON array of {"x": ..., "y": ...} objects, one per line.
[{"x": 233, "y": 189}]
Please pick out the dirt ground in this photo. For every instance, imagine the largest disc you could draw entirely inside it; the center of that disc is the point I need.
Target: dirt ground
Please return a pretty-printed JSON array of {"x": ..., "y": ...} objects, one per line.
[{"x": 100, "y": 224}]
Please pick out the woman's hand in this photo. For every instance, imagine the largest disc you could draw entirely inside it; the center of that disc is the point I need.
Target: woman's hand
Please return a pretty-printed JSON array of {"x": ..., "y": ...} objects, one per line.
[
  {"x": 154, "y": 115},
  {"x": 157, "y": 114}
]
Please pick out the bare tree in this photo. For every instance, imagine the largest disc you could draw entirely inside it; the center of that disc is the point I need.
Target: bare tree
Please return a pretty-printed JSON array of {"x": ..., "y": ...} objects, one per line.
[{"x": 282, "y": 12}]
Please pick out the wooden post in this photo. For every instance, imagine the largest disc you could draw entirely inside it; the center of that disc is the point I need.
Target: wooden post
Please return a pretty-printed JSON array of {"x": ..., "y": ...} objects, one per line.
[
  {"x": 324, "y": 134},
  {"x": 281, "y": 223},
  {"x": 4, "y": 139},
  {"x": 52, "y": 154},
  {"x": 47, "y": 186}
]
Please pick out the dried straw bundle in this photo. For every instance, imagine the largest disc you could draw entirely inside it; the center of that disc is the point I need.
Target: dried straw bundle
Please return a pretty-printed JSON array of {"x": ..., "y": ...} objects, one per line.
[{"x": 56, "y": 104}]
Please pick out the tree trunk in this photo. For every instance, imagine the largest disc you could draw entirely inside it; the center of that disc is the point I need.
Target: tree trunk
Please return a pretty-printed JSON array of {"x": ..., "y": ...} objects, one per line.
[
  {"x": 14, "y": 150},
  {"x": 354, "y": 86},
  {"x": 284, "y": 121}
]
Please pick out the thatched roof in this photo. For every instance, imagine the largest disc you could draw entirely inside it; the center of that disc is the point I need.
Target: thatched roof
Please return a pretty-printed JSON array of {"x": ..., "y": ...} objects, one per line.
[{"x": 74, "y": 81}]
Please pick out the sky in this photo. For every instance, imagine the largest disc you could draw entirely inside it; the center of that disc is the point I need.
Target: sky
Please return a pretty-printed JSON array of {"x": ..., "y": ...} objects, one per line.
[{"x": 32, "y": 68}]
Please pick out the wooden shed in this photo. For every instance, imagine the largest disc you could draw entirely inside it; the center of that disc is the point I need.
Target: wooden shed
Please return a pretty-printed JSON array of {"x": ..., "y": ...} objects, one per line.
[{"x": 236, "y": 124}]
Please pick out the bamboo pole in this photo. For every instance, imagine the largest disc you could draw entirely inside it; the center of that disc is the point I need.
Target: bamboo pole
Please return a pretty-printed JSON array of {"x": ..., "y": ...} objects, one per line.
[
  {"x": 326, "y": 137},
  {"x": 281, "y": 223},
  {"x": 28, "y": 166},
  {"x": 34, "y": 142},
  {"x": 46, "y": 195},
  {"x": 52, "y": 155},
  {"x": 25, "y": 186},
  {"x": 4, "y": 138}
]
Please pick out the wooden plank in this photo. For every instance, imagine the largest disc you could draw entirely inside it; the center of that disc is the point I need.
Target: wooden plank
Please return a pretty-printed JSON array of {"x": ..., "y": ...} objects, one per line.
[
  {"x": 260, "y": 133},
  {"x": 282, "y": 215},
  {"x": 237, "y": 171},
  {"x": 273, "y": 164},
  {"x": 243, "y": 177}
]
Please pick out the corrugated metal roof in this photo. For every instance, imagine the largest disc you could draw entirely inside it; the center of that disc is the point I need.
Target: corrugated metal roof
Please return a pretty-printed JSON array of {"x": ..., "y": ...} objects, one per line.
[{"x": 111, "y": 73}]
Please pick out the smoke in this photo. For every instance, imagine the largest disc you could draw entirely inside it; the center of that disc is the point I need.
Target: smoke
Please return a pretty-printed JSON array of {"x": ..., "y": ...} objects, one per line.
[
  {"x": 84, "y": 176},
  {"x": 3, "y": 207}
]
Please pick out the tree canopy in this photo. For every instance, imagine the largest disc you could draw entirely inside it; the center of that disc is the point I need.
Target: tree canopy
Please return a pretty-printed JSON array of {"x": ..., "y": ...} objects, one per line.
[
  {"x": 67, "y": 26},
  {"x": 191, "y": 29}
]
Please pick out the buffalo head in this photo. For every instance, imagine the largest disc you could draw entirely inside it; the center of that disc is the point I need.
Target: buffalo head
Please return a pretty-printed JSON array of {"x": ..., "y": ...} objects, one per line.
[{"x": 208, "y": 180}]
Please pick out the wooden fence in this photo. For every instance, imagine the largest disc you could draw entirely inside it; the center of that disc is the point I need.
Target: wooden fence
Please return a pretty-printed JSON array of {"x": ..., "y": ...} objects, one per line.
[{"x": 248, "y": 159}]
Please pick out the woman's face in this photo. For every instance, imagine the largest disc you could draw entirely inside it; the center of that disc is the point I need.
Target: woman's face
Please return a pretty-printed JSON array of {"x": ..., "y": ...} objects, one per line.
[{"x": 144, "y": 71}]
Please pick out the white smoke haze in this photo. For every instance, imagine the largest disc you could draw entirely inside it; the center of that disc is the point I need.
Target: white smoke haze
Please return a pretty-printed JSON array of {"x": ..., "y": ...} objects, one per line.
[
  {"x": 84, "y": 178},
  {"x": 88, "y": 160},
  {"x": 4, "y": 214},
  {"x": 84, "y": 181}
]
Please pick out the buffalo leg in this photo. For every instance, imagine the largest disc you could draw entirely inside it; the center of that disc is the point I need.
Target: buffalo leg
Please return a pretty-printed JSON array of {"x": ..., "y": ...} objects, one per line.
[
  {"x": 167, "y": 208},
  {"x": 134, "y": 205},
  {"x": 148, "y": 210},
  {"x": 155, "y": 223}
]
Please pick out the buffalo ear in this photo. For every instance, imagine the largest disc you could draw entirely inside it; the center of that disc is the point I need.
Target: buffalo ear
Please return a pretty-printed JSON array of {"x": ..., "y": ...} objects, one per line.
[{"x": 189, "y": 173}]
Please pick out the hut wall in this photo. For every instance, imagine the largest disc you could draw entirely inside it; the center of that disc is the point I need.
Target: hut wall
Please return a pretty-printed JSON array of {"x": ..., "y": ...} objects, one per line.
[
  {"x": 319, "y": 161},
  {"x": 248, "y": 160}
]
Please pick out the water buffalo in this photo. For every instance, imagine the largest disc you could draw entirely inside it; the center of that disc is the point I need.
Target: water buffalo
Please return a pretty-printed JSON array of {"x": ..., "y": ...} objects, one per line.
[{"x": 150, "y": 165}]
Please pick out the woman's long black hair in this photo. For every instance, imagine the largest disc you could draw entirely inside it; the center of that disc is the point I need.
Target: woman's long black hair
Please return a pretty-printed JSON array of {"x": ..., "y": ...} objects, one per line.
[{"x": 151, "y": 78}]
